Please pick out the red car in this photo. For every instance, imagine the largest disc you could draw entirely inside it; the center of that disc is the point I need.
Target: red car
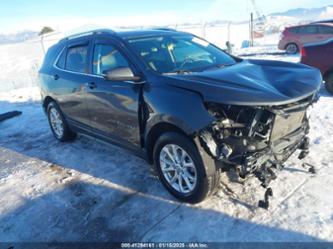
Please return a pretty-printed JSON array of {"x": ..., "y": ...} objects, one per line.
[
  {"x": 320, "y": 55},
  {"x": 294, "y": 38}
]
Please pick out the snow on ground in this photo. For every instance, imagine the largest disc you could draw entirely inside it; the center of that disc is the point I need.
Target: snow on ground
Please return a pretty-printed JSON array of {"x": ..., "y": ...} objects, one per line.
[{"x": 87, "y": 190}]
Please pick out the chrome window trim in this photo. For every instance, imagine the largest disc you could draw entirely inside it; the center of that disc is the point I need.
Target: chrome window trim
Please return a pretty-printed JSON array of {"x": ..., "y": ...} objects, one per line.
[
  {"x": 71, "y": 37},
  {"x": 69, "y": 71}
]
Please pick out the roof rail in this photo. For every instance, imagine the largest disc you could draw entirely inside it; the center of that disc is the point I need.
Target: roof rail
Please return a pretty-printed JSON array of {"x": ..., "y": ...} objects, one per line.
[
  {"x": 86, "y": 33},
  {"x": 164, "y": 29}
]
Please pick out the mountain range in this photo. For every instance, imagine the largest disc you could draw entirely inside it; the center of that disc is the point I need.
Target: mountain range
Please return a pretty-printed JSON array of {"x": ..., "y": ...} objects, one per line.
[
  {"x": 292, "y": 16},
  {"x": 17, "y": 37},
  {"x": 308, "y": 13}
]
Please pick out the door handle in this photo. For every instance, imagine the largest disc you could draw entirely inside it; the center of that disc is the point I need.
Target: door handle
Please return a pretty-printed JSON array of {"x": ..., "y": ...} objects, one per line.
[
  {"x": 91, "y": 85},
  {"x": 56, "y": 77}
]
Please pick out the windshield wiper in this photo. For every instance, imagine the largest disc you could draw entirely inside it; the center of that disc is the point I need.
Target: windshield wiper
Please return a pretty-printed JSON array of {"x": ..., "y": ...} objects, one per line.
[
  {"x": 218, "y": 66},
  {"x": 180, "y": 71}
]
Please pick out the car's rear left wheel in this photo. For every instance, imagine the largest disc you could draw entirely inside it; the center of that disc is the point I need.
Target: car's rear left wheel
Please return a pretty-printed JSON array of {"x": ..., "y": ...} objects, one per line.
[
  {"x": 58, "y": 124},
  {"x": 292, "y": 48},
  {"x": 181, "y": 169}
]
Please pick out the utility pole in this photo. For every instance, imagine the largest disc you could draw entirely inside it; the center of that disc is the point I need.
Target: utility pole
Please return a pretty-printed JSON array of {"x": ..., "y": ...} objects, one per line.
[
  {"x": 203, "y": 31},
  {"x": 251, "y": 30},
  {"x": 42, "y": 43},
  {"x": 229, "y": 23}
]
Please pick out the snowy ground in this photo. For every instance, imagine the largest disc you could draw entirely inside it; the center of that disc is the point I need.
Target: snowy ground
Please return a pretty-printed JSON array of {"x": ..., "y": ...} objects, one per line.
[{"x": 91, "y": 191}]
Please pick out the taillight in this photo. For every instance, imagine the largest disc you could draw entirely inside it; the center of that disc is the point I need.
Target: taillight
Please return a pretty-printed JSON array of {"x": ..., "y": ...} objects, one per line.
[{"x": 303, "y": 52}]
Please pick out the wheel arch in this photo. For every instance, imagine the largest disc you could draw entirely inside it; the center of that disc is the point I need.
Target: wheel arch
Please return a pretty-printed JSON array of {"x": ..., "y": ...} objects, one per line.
[
  {"x": 327, "y": 73},
  {"x": 47, "y": 100},
  {"x": 185, "y": 114},
  {"x": 156, "y": 131}
]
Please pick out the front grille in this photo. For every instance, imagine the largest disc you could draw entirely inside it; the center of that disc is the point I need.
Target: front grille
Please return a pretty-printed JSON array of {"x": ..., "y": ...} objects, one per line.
[{"x": 285, "y": 125}]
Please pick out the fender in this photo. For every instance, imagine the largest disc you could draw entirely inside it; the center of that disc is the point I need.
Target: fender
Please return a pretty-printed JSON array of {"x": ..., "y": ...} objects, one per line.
[{"x": 179, "y": 107}]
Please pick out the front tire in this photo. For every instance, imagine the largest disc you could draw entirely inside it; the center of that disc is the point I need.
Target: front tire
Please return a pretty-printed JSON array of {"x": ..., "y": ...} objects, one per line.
[
  {"x": 58, "y": 124},
  {"x": 329, "y": 83},
  {"x": 181, "y": 169}
]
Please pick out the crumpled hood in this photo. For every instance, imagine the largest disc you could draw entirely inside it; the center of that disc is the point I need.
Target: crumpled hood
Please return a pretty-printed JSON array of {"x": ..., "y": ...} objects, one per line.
[{"x": 253, "y": 82}]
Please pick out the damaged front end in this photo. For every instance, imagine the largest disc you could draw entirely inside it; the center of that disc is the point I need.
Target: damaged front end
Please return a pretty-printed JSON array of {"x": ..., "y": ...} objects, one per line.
[{"x": 256, "y": 139}]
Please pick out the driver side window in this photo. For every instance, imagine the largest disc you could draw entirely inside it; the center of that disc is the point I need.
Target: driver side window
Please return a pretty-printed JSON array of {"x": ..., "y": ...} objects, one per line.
[{"x": 107, "y": 57}]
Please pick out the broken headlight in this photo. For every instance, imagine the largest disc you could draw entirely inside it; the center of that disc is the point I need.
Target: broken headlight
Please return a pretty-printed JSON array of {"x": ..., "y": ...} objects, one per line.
[{"x": 236, "y": 130}]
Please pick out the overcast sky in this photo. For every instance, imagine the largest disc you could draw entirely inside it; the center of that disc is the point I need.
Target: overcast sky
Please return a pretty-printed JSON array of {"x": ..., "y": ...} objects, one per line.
[{"x": 65, "y": 14}]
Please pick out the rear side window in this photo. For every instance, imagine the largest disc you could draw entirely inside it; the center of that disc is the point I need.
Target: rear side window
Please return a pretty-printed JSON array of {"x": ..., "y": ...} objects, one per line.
[
  {"x": 309, "y": 30},
  {"x": 77, "y": 59},
  {"x": 107, "y": 57},
  {"x": 326, "y": 30}
]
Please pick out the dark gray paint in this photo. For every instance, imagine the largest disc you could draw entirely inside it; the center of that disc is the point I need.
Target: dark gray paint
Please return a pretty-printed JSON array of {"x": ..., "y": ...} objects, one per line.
[{"x": 118, "y": 111}]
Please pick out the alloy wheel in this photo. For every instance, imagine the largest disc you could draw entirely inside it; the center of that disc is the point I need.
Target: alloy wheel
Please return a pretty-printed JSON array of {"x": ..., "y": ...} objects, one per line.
[
  {"x": 56, "y": 122},
  {"x": 178, "y": 168},
  {"x": 292, "y": 49}
]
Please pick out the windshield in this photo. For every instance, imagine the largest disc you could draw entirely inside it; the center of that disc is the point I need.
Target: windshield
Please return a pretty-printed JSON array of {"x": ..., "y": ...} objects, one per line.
[{"x": 180, "y": 54}]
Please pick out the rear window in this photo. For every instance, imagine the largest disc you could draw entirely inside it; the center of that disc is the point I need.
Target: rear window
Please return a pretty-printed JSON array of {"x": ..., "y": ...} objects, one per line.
[{"x": 77, "y": 59}]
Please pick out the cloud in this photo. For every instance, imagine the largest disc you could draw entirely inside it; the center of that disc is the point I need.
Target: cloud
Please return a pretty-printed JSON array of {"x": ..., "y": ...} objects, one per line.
[{"x": 236, "y": 10}]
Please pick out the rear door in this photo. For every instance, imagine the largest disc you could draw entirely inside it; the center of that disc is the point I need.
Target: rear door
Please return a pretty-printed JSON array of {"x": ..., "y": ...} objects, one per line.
[
  {"x": 325, "y": 32},
  {"x": 309, "y": 34},
  {"x": 71, "y": 78},
  {"x": 113, "y": 105}
]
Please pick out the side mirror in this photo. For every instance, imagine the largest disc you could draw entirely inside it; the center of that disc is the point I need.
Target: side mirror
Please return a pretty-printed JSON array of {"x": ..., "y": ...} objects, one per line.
[{"x": 121, "y": 74}]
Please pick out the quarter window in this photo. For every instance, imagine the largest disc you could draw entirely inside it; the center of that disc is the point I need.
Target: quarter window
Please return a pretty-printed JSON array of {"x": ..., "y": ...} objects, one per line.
[
  {"x": 107, "y": 57},
  {"x": 77, "y": 59},
  {"x": 295, "y": 30}
]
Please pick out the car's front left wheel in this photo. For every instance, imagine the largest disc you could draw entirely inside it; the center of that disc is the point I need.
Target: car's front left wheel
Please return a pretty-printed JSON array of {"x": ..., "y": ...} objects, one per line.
[
  {"x": 181, "y": 168},
  {"x": 58, "y": 124}
]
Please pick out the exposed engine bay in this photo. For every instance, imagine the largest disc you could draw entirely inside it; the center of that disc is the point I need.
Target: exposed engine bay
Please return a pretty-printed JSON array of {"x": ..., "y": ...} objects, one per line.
[{"x": 257, "y": 140}]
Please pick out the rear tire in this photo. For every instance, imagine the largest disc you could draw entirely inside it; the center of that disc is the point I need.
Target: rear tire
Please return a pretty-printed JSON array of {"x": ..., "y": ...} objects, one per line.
[
  {"x": 58, "y": 124},
  {"x": 329, "y": 83},
  {"x": 203, "y": 180},
  {"x": 292, "y": 48}
]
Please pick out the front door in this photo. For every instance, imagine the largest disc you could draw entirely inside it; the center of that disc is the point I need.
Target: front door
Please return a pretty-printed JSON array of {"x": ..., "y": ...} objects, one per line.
[{"x": 113, "y": 105}]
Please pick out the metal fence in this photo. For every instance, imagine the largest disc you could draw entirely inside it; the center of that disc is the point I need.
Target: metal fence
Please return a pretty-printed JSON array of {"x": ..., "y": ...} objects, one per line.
[{"x": 19, "y": 62}]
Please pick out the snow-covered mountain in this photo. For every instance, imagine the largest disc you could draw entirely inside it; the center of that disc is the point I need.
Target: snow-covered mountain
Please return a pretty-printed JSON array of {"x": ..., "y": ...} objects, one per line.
[
  {"x": 17, "y": 37},
  {"x": 276, "y": 22},
  {"x": 308, "y": 14}
]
